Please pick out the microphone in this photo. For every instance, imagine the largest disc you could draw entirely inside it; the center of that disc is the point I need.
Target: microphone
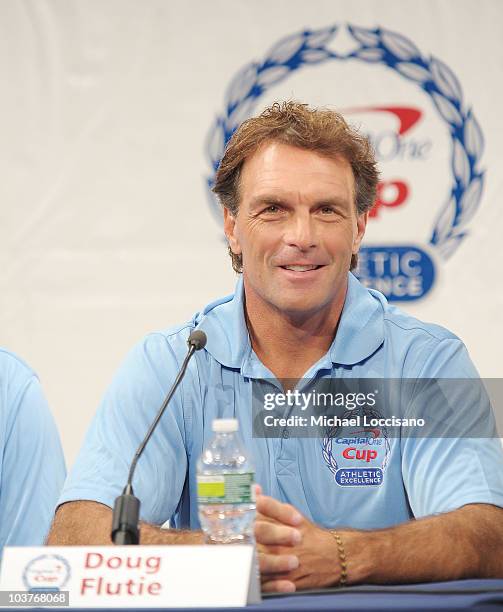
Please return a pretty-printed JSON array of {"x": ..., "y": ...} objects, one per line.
[{"x": 126, "y": 513}]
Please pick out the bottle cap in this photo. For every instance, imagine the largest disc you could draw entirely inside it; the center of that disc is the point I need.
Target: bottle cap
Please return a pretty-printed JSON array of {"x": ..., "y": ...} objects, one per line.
[{"x": 225, "y": 425}]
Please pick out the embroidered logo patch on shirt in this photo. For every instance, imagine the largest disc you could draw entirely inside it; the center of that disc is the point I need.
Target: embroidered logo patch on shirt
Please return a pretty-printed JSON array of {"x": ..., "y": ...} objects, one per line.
[{"x": 357, "y": 457}]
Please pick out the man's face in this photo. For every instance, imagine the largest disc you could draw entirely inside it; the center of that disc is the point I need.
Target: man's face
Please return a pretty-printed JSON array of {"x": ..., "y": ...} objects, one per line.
[{"x": 296, "y": 229}]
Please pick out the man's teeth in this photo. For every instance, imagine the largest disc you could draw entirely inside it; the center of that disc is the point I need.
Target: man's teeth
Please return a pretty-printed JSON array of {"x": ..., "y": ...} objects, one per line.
[{"x": 300, "y": 268}]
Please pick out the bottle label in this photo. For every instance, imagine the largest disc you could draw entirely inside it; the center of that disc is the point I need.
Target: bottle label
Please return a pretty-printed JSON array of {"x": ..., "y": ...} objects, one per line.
[{"x": 226, "y": 489}]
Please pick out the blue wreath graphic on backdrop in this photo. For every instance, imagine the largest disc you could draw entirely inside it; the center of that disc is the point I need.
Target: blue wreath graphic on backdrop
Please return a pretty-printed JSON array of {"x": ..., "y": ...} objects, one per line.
[{"x": 397, "y": 53}]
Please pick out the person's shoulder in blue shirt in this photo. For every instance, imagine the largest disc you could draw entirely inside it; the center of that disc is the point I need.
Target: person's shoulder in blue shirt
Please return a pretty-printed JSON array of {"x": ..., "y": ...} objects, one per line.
[
  {"x": 427, "y": 350},
  {"x": 32, "y": 467}
]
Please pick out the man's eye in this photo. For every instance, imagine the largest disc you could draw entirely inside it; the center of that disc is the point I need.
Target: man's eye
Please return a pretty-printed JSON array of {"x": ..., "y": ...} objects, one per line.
[
  {"x": 272, "y": 209},
  {"x": 327, "y": 210}
]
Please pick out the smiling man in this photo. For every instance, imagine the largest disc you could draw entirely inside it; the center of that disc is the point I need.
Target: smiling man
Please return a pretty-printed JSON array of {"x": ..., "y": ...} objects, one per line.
[
  {"x": 296, "y": 185},
  {"x": 296, "y": 232}
]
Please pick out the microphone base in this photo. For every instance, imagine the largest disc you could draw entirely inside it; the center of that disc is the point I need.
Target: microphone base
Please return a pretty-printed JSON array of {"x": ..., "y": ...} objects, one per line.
[
  {"x": 125, "y": 520},
  {"x": 124, "y": 538}
]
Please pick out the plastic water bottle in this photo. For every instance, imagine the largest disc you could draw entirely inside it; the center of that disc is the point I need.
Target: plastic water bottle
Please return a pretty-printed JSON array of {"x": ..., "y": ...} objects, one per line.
[{"x": 225, "y": 487}]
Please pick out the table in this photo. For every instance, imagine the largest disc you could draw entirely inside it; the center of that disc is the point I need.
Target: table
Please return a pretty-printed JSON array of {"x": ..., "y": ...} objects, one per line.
[
  {"x": 482, "y": 595},
  {"x": 456, "y": 595}
]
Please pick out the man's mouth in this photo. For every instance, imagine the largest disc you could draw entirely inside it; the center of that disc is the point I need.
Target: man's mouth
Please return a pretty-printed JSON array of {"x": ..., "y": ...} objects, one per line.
[{"x": 299, "y": 268}]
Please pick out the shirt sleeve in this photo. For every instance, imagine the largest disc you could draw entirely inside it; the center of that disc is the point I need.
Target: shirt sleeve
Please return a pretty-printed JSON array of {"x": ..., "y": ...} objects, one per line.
[
  {"x": 121, "y": 422},
  {"x": 464, "y": 463},
  {"x": 32, "y": 466}
]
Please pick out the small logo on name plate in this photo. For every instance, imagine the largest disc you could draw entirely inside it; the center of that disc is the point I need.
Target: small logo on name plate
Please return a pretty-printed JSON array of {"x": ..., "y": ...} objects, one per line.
[{"x": 46, "y": 573}]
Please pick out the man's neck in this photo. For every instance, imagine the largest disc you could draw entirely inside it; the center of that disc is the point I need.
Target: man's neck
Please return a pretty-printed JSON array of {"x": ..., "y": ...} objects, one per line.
[{"x": 288, "y": 344}]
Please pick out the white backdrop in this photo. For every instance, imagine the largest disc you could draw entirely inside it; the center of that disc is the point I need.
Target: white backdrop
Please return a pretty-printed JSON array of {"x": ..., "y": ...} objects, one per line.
[{"x": 105, "y": 228}]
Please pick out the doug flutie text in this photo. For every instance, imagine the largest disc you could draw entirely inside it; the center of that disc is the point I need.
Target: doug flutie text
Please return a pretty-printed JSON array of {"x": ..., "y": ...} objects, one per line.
[{"x": 136, "y": 575}]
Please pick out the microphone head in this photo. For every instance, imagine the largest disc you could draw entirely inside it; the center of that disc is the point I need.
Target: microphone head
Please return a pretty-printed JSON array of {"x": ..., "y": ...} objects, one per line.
[{"x": 197, "y": 339}]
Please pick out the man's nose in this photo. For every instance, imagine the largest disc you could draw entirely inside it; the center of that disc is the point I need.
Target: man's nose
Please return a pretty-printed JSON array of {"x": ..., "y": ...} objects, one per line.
[{"x": 300, "y": 232}]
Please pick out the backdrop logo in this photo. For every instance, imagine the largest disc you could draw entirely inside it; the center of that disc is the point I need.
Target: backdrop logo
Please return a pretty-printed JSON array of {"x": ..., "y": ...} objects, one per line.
[{"x": 402, "y": 271}]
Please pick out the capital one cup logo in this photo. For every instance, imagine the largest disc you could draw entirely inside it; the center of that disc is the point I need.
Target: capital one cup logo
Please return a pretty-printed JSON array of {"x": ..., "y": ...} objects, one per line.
[{"x": 427, "y": 141}]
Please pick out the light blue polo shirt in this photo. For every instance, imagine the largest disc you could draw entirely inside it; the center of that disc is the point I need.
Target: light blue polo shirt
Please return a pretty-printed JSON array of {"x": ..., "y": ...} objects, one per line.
[
  {"x": 32, "y": 466},
  {"x": 420, "y": 476}
]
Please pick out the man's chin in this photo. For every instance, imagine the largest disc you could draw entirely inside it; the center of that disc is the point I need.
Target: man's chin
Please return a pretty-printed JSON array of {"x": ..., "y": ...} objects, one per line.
[{"x": 299, "y": 307}]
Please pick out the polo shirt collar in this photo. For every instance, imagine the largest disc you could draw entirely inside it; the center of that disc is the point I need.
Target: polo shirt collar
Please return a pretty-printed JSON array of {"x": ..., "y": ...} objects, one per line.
[
  {"x": 361, "y": 326},
  {"x": 224, "y": 323},
  {"x": 359, "y": 335}
]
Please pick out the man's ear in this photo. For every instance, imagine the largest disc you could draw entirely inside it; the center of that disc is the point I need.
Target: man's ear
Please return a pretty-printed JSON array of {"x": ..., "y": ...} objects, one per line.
[
  {"x": 230, "y": 232},
  {"x": 361, "y": 226}
]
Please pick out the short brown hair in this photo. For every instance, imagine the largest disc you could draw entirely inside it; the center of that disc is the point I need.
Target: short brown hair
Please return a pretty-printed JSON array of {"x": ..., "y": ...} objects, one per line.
[{"x": 315, "y": 129}]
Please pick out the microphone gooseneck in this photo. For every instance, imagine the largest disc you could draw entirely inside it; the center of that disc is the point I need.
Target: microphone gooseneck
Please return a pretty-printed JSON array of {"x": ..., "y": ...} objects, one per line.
[{"x": 126, "y": 513}]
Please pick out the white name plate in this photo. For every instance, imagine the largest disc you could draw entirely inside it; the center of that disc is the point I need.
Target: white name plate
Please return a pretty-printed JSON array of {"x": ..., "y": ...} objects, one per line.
[{"x": 136, "y": 576}]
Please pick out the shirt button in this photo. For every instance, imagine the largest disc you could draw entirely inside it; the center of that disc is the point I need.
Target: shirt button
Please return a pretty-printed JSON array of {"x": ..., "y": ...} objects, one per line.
[{"x": 286, "y": 434}]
